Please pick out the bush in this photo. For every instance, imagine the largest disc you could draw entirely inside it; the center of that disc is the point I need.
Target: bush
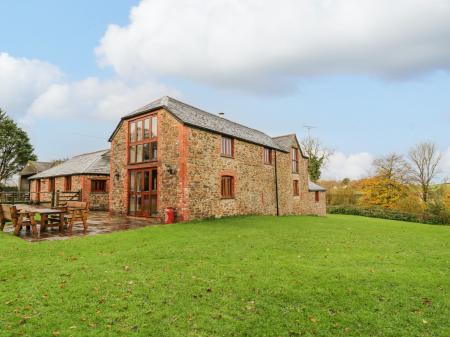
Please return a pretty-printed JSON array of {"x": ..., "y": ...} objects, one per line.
[
  {"x": 429, "y": 217},
  {"x": 439, "y": 211}
]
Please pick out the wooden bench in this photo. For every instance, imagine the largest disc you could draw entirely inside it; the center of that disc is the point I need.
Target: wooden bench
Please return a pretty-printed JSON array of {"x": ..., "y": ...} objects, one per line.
[{"x": 76, "y": 212}]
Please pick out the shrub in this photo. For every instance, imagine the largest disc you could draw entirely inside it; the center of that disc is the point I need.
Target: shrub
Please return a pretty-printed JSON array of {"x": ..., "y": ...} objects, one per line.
[{"x": 430, "y": 217}]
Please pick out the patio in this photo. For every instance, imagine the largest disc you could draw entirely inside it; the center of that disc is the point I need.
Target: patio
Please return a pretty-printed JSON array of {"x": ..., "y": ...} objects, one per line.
[{"x": 98, "y": 222}]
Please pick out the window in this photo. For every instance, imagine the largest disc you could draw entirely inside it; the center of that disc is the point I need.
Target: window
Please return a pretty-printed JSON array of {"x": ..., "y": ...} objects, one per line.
[
  {"x": 227, "y": 187},
  {"x": 68, "y": 183},
  {"x": 98, "y": 186},
  {"x": 51, "y": 184},
  {"x": 296, "y": 191},
  {"x": 143, "y": 145},
  {"x": 227, "y": 147},
  {"x": 317, "y": 196},
  {"x": 294, "y": 152},
  {"x": 267, "y": 156}
]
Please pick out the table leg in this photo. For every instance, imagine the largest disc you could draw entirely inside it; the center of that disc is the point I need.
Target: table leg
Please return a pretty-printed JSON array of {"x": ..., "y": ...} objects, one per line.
[
  {"x": 33, "y": 225},
  {"x": 43, "y": 222},
  {"x": 17, "y": 227},
  {"x": 61, "y": 222}
]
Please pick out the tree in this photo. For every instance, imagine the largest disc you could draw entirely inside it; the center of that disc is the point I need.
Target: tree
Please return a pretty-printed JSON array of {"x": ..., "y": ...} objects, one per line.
[
  {"x": 425, "y": 160},
  {"x": 318, "y": 156},
  {"x": 15, "y": 147},
  {"x": 393, "y": 167},
  {"x": 380, "y": 191}
]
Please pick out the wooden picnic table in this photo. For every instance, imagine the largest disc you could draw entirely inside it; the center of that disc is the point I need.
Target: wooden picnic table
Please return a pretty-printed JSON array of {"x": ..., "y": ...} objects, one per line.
[{"x": 48, "y": 217}]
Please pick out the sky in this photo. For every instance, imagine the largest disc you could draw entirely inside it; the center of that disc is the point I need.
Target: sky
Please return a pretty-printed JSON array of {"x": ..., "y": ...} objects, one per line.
[{"x": 372, "y": 77}]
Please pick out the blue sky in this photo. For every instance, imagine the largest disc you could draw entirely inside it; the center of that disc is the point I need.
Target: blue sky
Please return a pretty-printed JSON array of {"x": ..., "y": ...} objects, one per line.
[{"x": 365, "y": 93}]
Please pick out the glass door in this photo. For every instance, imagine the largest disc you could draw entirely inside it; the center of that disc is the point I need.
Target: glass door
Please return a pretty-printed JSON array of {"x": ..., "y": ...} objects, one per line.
[{"x": 143, "y": 193}]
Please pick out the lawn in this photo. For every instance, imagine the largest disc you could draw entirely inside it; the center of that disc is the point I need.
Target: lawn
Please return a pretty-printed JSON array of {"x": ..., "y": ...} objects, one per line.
[{"x": 250, "y": 276}]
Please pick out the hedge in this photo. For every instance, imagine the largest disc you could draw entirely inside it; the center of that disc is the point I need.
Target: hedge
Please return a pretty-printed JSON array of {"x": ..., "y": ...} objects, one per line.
[{"x": 383, "y": 213}]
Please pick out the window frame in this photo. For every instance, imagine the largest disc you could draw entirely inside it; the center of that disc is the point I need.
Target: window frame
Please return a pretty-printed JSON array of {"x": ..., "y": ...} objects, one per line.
[
  {"x": 68, "y": 183},
  {"x": 294, "y": 158},
  {"x": 295, "y": 187},
  {"x": 146, "y": 138},
  {"x": 222, "y": 153},
  {"x": 96, "y": 185},
  {"x": 231, "y": 187},
  {"x": 268, "y": 151},
  {"x": 51, "y": 184}
]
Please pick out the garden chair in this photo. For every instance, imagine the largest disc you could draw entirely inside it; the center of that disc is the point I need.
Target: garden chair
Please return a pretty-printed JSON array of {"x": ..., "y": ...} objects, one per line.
[
  {"x": 5, "y": 215},
  {"x": 76, "y": 212},
  {"x": 9, "y": 213}
]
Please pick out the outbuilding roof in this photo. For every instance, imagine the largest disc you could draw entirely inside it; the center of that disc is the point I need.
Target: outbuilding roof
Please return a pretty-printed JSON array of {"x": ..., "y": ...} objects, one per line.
[
  {"x": 88, "y": 163},
  {"x": 33, "y": 167},
  {"x": 202, "y": 119},
  {"x": 313, "y": 187}
]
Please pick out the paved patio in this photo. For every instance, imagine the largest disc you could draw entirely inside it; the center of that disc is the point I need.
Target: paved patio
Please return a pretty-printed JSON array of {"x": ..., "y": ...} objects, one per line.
[{"x": 99, "y": 223}]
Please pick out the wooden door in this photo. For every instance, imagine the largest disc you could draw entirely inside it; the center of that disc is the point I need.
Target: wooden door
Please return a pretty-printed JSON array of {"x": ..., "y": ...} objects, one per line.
[{"x": 142, "y": 193}]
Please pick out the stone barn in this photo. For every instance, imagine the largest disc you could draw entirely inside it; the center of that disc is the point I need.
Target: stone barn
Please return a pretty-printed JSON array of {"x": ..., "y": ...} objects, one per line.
[{"x": 171, "y": 154}]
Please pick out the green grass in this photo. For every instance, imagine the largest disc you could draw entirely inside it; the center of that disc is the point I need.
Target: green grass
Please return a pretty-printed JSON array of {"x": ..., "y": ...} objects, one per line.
[{"x": 251, "y": 276}]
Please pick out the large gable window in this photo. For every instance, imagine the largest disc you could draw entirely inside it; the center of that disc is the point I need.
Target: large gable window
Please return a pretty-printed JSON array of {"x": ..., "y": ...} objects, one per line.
[
  {"x": 227, "y": 147},
  {"x": 294, "y": 154},
  {"x": 143, "y": 145}
]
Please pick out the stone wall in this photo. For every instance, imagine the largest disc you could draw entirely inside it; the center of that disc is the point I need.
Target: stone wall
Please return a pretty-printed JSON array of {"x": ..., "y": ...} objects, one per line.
[
  {"x": 316, "y": 208},
  {"x": 254, "y": 181},
  {"x": 171, "y": 170},
  {"x": 99, "y": 201},
  {"x": 118, "y": 198}
]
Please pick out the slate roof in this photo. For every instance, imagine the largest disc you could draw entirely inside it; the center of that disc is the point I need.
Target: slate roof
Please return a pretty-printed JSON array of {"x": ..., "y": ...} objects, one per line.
[
  {"x": 33, "y": 167},
  {"x": 199, "y": 118},
  {"x": 88, "y": 163},
  {"x": 313, "y": 187},
  {"x": 285, "y": 142}
]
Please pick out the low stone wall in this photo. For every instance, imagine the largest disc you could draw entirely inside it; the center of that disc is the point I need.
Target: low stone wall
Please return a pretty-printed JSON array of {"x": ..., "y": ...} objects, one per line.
[{"x": 99, "y": 201}]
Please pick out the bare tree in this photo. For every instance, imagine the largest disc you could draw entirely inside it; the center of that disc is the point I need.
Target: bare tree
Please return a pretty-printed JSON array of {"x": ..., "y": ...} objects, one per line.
[
  {"x": 393, "y": 167},
  {"x": 425, "y": 159},
  {"x": 318, "y": 155}
]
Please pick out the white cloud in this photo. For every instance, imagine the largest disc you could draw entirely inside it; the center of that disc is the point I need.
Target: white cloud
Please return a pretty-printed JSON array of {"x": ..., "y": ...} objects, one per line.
[
  {"x": 31, "y": 89},
  {"x": 21, "y": 80},
  {"x": 354, "y": 166},
  {"x": 359, "y": 165},
  {"x": 92, "y": 97},
  {"x": 267, "y": 43}
]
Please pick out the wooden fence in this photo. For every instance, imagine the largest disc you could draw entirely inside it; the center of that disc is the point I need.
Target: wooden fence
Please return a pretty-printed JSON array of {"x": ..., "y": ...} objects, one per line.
[
  {"x": 52, "y": 199},
  {"x": 14, "y": 198}
]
